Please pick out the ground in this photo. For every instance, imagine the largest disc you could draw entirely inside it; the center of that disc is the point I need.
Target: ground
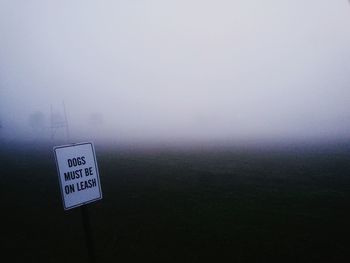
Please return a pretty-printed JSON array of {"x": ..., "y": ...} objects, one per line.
[{"x": 182, "y": 206}]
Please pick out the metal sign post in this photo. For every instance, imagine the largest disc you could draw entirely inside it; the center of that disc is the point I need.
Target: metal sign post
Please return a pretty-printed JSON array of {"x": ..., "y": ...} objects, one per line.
[
  {"x": 88, "y": 233},
  {"x": 79, "y": 183}
]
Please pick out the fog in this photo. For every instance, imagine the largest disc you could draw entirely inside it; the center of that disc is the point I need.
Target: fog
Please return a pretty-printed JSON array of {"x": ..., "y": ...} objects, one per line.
[{"x": 175, "y": 71}]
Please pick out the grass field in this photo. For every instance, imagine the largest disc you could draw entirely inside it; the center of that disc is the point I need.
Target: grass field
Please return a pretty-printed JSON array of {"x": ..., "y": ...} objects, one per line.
[{"x": 182, "y": 206}]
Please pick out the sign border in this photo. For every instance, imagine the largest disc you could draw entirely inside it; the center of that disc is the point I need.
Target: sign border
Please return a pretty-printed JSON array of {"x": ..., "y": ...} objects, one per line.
[{"x": 59, "y": 174}]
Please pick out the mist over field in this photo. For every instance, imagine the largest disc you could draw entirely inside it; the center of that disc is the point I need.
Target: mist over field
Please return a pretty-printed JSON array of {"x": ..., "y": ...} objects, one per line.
[
  {"x": 221, "y": 130},
  {"x": 175, "y": 72}
]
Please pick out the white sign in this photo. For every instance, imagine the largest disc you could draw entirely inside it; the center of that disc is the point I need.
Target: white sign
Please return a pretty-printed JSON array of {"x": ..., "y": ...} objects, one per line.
[{"x": 78, "y": 174}]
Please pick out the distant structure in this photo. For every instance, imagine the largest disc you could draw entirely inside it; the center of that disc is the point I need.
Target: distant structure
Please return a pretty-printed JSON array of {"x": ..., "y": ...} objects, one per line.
[{"x": 57, "y": 122}]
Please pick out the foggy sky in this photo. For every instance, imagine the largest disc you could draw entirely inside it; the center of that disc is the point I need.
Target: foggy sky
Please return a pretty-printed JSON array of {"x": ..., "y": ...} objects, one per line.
[{"x": 177, "y": 70}]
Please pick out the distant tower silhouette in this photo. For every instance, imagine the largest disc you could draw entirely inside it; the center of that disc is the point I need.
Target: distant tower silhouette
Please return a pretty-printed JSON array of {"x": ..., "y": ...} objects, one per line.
[{"x": 59, "y": 123}]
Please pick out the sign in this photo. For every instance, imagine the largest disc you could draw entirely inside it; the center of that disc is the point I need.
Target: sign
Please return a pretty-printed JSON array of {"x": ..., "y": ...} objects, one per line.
[{"x": 78, "y": 174}]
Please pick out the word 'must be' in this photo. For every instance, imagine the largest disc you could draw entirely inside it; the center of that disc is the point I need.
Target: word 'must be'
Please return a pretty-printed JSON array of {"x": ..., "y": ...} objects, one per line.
[{"x": 78, "y": 174}]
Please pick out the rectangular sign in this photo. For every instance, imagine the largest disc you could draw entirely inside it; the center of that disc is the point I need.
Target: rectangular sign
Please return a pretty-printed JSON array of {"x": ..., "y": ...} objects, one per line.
[{"x": 78, "y": 174}]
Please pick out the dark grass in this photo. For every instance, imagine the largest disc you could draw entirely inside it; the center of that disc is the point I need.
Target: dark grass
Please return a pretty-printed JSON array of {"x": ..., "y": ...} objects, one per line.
[{"x": 182, "y": 206}]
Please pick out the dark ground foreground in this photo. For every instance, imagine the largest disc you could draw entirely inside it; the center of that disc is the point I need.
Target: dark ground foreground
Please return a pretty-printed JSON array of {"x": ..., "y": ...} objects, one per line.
[{"x": 182, "y": 206}]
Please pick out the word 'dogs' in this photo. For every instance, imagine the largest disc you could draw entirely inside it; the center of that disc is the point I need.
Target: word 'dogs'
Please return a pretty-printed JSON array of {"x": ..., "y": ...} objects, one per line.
[{"x": 78, "y": 174}]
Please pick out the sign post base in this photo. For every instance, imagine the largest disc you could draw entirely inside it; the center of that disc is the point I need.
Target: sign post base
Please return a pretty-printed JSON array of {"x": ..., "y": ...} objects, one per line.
[{"x": 88, "y": 235}]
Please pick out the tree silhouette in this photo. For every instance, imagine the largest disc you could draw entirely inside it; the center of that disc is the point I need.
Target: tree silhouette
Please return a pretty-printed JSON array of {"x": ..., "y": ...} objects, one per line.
[{"x": 37, "y": 120}]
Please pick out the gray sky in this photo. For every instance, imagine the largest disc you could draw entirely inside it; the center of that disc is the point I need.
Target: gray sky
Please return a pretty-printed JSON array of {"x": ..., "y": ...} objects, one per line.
[{"x": 178, "y": 70}]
